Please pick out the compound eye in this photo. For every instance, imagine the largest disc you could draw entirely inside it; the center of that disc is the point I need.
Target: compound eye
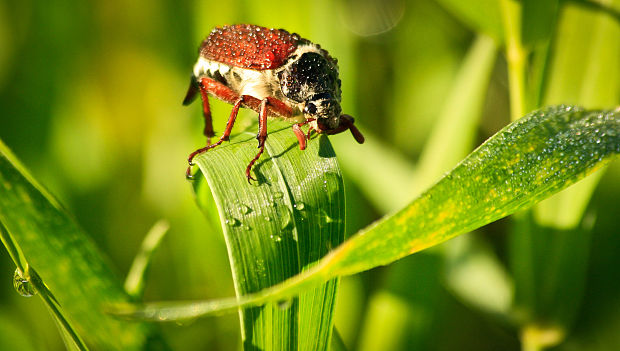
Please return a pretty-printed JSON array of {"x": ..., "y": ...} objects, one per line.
[{"x": 310, "y": 109}]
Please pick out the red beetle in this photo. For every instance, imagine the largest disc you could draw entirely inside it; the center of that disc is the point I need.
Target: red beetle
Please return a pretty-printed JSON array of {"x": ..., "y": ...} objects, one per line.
[{"x": 276, "y": 74}]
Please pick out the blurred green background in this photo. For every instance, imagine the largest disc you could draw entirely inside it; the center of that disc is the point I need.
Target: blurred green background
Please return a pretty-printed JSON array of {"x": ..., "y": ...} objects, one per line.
[{"x": 90, "y": 98}]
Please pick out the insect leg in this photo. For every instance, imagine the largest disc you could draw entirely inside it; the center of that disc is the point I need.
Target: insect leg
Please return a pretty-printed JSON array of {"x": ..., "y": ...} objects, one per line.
[
  {"x": 225, "y": 135},
  {"x": 261, "y": 136},
  {"x": 309, "y": 134},
  {"x": 301, "y": 137},
  {"x": 206, "y": 112},
  {"x": 279, "y": 107}
]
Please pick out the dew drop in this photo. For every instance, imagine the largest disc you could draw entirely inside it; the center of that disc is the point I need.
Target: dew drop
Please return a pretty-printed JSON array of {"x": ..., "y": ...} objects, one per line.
[
  {"x": 246, "y": 227},
  {"x": 243, "y": 209},
  {"x": 300, "y": 206},
  {"x": 328, "y": 219},
  {"x": 260, "y": 268},
  {"x": 275, "y": 237},
  {"x": 232, "y": 222},
  {"x": 278, "y": 195},
  {"x": 267, "y": 218},
  {"x": 23, "y": 285}
]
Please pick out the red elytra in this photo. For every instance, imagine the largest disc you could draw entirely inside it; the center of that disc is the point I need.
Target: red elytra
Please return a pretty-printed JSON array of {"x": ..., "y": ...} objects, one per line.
[{"x": 249, "y": 46}]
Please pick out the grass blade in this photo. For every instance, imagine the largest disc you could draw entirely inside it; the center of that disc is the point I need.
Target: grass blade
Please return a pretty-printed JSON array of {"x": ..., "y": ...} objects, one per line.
[
  {"x": 524, "y": 163},
  {"x": 68, "y": 263},
  {"x": 134, "y": 283},
  {"x": 539, "y": 20},
  {"x": 527, "y": 161},
  {"x": 454, "y": 132},
  {"x": 278, "y": 228},
  {"x": 482, "y": 16}
]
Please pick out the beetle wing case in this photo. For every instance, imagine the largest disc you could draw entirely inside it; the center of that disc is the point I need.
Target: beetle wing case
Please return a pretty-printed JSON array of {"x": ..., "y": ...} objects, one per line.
[{"x": 249, "y": 46}]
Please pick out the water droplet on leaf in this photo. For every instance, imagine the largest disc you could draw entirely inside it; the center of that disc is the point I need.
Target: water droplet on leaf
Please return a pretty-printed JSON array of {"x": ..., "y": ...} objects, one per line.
[
  {"x": 328, "y": 218},
  {"x": 243, "y": 209},
  {"x": 232, "y": 222},
  {"x": 22, "y": 284}
]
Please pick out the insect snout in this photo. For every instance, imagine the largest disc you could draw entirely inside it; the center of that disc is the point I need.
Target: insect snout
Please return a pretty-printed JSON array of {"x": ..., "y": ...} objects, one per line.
[{"x": 325, "y": 110}]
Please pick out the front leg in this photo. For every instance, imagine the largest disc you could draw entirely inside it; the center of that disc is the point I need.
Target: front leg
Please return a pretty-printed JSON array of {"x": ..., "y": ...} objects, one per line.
[
  {"x": 267, "y": 106},
  {"x": 301, "y": 137}
]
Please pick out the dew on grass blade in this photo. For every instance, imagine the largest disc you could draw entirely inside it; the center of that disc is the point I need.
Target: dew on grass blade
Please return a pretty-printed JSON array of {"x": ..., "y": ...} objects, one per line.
[
  {"x": 233, "y": 222},
  {"x": 22, "y": 284},
  {"x": 244, "y": 209}
]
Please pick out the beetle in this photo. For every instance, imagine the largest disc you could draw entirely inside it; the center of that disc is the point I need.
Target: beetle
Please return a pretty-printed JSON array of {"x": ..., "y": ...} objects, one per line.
[{"x": 273, "y": 72}]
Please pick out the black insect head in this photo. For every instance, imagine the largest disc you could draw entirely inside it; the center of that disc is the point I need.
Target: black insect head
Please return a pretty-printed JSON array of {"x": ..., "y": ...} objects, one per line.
[{"x": 313, "y": 79}]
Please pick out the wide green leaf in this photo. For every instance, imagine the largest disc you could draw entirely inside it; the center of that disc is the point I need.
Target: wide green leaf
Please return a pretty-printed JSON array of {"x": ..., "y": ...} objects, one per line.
[
  {"x": 62, "y": 260},
  {"x": 276, "y": 228},
  {"x": 527, "y": 161}
]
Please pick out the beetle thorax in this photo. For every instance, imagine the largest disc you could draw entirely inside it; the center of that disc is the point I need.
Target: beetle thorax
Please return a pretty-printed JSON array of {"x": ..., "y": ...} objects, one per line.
[
  {"x": 308, "y": 72},
  {"x": 310, "y": 78}
]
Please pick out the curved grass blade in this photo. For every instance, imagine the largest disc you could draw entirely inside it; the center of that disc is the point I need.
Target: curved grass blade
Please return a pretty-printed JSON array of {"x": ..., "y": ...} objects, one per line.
[
  {"x": 482, "y": 16},
  {"x": 276, "y": 229},
  {"x": 539, "y": 20},
  {"x": 135, "y": 280},
  {"x": 529, "y": 160},
  {"x": 44, "y": 238}
]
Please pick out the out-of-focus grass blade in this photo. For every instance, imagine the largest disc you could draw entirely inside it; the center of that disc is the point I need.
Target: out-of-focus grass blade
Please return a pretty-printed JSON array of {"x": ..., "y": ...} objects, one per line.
[
  {"x": 12, "y": 337},
  {"x": 67, "y": 261},
  {"x": 134, "y": 283},
  {"x": 538, "y": 20},
  {"x": 337, "y": 343},
  {"x": 453, "y": 134},
  {"x": 277, "y": 228},
  {"x": 611, "y": 10},
  {"x": 529, "y": 160},
  {"x": 482, "y": 16},
  {"x": 386, "y": 196}
]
